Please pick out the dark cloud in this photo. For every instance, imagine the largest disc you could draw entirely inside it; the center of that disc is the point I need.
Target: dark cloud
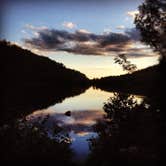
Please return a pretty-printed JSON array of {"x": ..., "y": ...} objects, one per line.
[
  {"x": 114, "y": 38},
  {"x": 138, "y": 55},
  {"x": 81, "y": 42},
  {"x": 134, "y": 34},
  {"x": 84, "y": 36},
  {"x": 85, "y": 49}
]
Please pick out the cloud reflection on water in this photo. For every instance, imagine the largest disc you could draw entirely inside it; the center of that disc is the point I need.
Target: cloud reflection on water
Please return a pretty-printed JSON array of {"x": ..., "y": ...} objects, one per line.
[{"x": 86, "y": 110}]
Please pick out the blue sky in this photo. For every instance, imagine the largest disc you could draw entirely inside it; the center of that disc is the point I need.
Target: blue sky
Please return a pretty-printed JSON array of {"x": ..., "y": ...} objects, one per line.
[
  {"x": 91, "y": 15},
  {"x": 21, "y": 19}
]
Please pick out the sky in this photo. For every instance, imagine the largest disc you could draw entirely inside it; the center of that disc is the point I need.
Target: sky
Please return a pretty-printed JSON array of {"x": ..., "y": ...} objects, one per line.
[{"x": 84, "y": 35}]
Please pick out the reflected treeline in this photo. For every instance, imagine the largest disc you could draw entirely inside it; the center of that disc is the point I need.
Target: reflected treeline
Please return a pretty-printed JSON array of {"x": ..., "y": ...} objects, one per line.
[
  {"x": 30, "y": 142},
  {"x": 131, "y": 134},
  {"x": 20, "y": 101}
]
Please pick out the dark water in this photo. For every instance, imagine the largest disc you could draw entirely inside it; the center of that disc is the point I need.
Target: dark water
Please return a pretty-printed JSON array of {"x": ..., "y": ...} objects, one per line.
[
  {"x": 86, "y": 110},
  {"x": 92, "y": 128}
]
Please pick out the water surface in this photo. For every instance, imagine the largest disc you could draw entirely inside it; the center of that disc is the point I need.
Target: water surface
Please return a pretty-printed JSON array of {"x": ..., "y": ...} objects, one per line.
[{"x": 86, "y": 110}]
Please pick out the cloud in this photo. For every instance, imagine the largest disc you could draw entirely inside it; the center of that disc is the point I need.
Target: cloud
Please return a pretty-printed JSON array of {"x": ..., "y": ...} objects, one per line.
[
  {"x": 83, "y": 42},
  {"x": 83, "y": 31},
  {"x": 69, "y": 25},
  {"x": 79, "y": 42},
  {"x": 107, "y": 30},
  {"x": 114, "y": 38},
  {"x": 34, "y": 28},
  {"x": 133, "y": 33},
  {"x": 120, "y": 27},
  {"x": 23, "y": 31},
  {"x": 132, "y": 13}
]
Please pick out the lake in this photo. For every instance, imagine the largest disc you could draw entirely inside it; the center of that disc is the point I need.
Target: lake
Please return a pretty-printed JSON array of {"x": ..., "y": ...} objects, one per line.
[
  {"x": 85, "y": 110},
  {"x": 82, "y": 126}
]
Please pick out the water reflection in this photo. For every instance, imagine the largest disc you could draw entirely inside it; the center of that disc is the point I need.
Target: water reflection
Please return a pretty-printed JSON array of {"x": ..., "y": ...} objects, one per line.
[
  {"x": 92, "y": 99},
  {"x": 78, "y": 126},
  {"x": 85, "y": 111},
  {"x": 23, "y": 100},
  {"x": 94, "y": 128}
]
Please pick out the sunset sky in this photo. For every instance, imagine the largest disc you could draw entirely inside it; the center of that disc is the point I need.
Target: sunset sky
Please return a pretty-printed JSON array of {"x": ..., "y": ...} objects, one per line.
[{"x": 84, "y": 35}]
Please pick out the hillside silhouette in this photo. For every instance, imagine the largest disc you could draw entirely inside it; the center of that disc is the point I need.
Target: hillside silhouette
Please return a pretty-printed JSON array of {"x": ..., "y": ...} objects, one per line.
[
  {"x": 143, "y": 82},
  {"x": 30, "y": 81},
  {"x": 23, "y": 66}
]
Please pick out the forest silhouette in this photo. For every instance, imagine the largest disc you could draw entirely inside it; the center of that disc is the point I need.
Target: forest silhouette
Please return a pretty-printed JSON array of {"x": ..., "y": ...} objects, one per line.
[
  {"x": 32, "y": 82},
  {"x": 30, "y": 88},
  {"x": 130, "y": 134}
]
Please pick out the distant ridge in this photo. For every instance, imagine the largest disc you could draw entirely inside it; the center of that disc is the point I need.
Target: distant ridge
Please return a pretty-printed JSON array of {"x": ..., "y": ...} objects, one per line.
[{"x": 144, "y": 82}]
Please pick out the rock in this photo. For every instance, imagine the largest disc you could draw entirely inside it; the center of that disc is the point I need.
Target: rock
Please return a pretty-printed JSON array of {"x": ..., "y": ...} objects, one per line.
[{"x": 68, "y": 113}]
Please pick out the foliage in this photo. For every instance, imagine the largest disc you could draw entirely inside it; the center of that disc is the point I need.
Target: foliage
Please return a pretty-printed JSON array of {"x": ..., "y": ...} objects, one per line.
[
  {"x": 151, "y": 21},
  {"x": 26, "y": 141},
  {"x": 119, "y": 104},
  {"x": 126, "y": 64},
  {"x": 130, "y": 135}
]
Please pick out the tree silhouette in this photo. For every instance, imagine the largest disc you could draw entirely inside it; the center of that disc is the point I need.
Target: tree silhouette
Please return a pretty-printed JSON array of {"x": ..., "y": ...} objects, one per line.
[
  {"x": 130, "y": 134},
  {"x": 28, "y": 141},
  {"x": 126, "y": 64},
  {"x": 151, "y": 21},
  {"x": 119, "y": 103}
]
